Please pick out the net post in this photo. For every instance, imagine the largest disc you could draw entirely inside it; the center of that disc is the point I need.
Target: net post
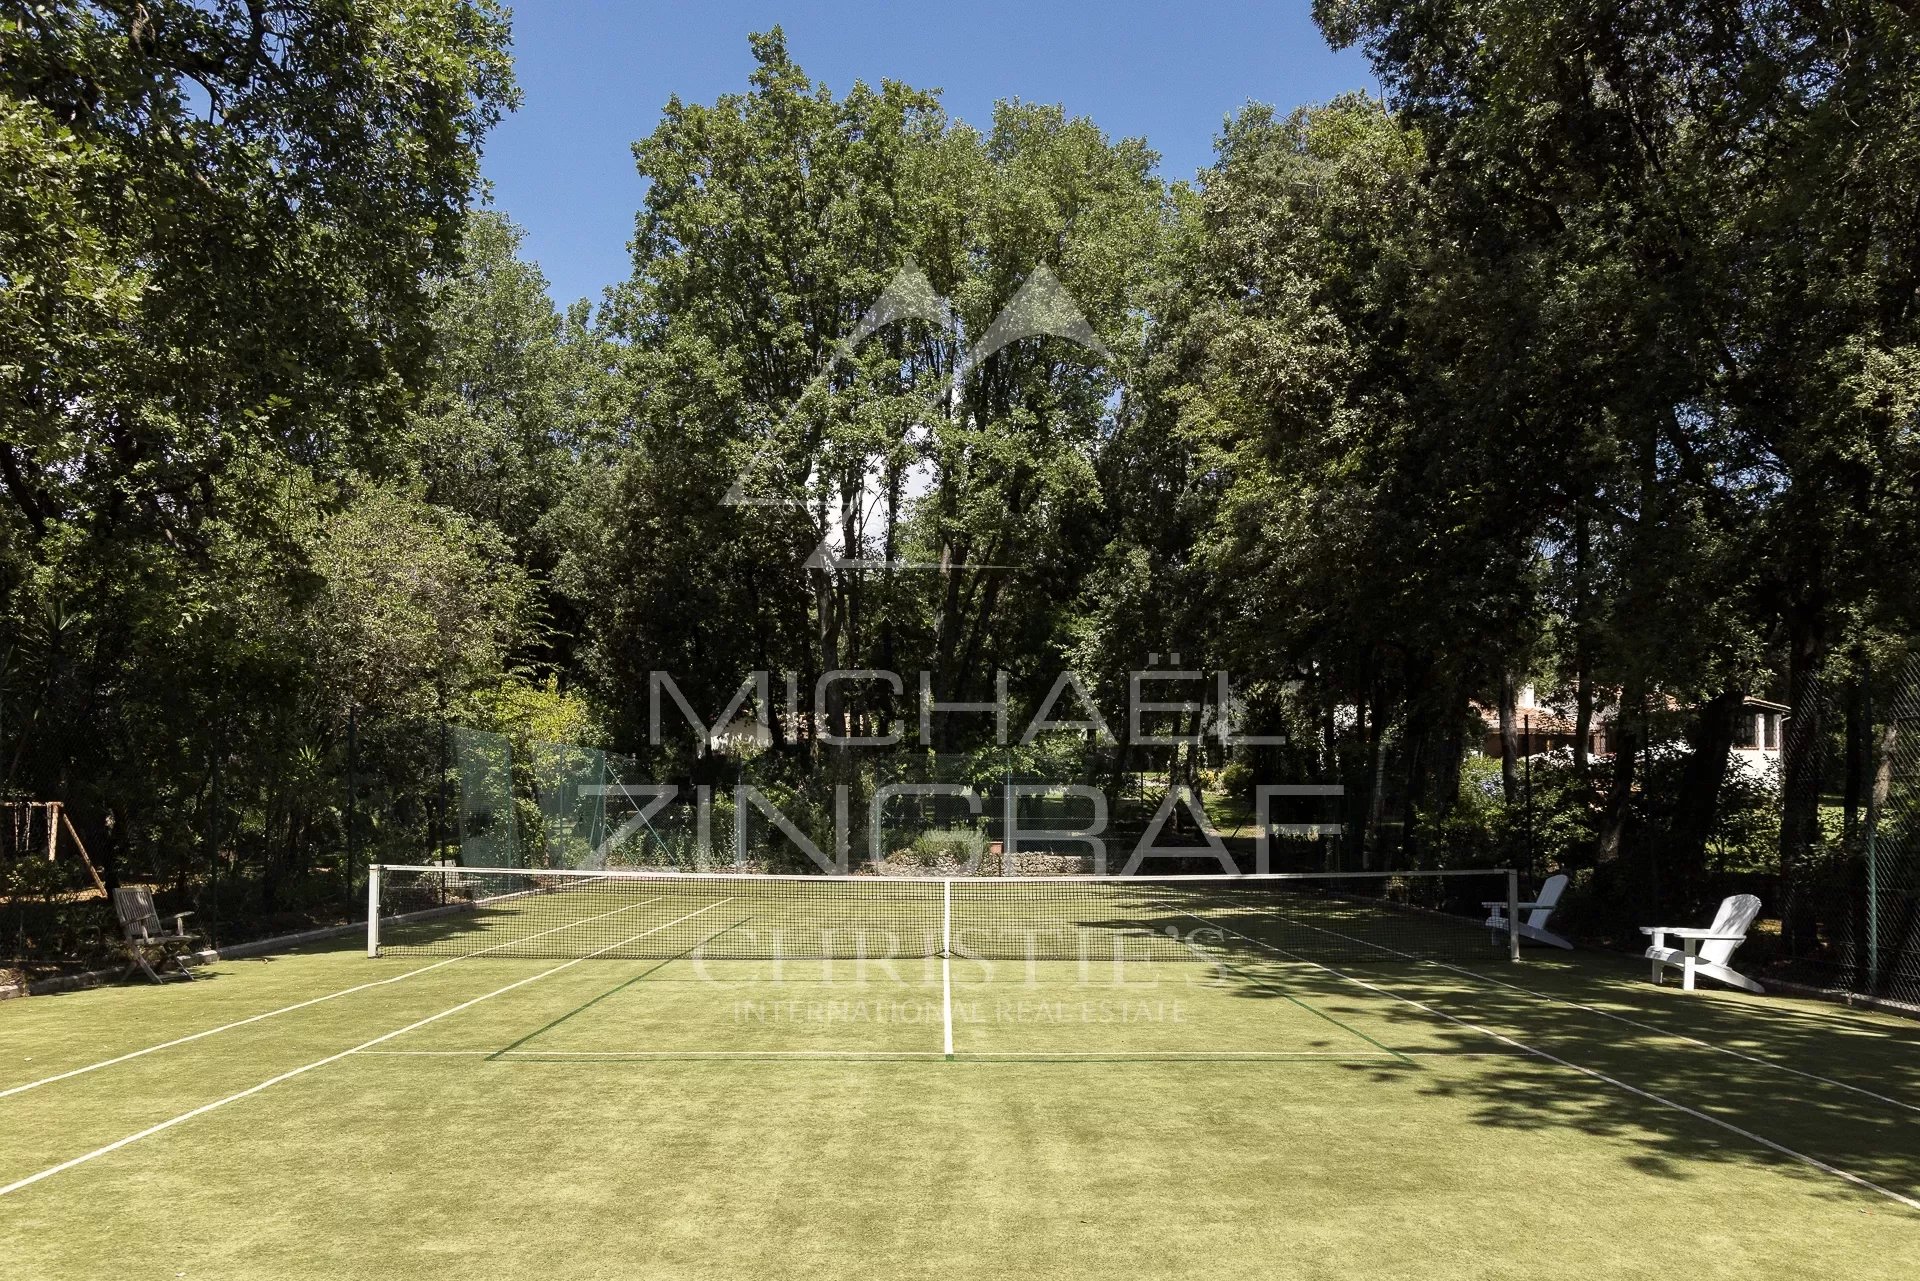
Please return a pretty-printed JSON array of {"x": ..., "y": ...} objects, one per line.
[
  {"x": 373, "y": 910},
  {"x": 946, "y": 967},
  {"x": 1513, "y": 915}
]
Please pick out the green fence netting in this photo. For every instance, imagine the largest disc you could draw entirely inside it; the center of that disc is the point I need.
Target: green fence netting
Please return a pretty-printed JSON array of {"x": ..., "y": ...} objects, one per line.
[
  {"x": 1851, "y": 918},
  {"x": 487, "y": 829}
]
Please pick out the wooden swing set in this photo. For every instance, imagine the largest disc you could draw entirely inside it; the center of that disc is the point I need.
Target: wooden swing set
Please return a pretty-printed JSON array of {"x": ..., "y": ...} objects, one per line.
[{"x": 30, "y": 822}]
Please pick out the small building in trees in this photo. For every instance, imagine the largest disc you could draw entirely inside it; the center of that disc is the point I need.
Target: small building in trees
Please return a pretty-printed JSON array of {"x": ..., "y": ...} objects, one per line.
[{"x": 1543, "y": 726}]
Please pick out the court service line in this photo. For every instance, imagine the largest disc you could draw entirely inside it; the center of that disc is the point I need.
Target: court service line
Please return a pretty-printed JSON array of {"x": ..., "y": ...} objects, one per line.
[
  {"x": 618, "y": 1056},
  {"x": 1592, "y": 1073},
  {"x": 1618, "y": 1018},
  {"x": 301, "y": 1005},
  {"x": 304, "y": 1068}
]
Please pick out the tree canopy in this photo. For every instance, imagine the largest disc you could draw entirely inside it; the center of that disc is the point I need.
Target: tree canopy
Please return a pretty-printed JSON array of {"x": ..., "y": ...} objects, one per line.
[{"x": 1586, "y": 358}]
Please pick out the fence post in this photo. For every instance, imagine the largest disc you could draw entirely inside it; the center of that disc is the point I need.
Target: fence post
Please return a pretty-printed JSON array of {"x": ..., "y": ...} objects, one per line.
[{"x": 352, "y": 855}]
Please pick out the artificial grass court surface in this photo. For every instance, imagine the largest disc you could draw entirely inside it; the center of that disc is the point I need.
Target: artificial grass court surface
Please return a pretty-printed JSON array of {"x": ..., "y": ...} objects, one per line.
[{"x": 741, "y": 1119}]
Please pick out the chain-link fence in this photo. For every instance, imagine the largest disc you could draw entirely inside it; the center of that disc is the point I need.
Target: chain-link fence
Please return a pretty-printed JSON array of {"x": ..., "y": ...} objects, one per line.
[{"x": 1851, "y": 916}]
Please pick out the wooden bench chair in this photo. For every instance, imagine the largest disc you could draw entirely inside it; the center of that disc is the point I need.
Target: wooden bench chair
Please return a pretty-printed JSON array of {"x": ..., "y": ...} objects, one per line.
[{"x": 147, "y": 941}]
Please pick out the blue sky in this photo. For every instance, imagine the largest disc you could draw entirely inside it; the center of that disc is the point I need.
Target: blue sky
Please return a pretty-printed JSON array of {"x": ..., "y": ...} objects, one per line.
[{"x": 595, "y": 74}]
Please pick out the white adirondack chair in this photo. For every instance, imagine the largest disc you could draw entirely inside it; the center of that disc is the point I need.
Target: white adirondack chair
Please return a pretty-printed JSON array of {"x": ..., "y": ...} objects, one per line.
[
  {"x": 1537, "y": 913},
  {"x": 1706, "y": 951}
]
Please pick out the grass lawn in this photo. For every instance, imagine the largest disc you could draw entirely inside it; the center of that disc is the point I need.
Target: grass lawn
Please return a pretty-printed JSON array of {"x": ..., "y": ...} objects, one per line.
[{"x": 683, "y": 1118}]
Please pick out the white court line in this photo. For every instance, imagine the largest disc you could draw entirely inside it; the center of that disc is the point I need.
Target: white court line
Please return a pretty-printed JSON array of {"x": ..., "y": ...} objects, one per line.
[
  {"x": 946, "y": 1005},
  {"x": 985, "y": 1056},
  {"x": 1342, "y": 1056},
  {"x": 614, "y": 1056},
  {"x": 970, "y": 1056},
  {"x": 1591, "y": 1073},
  {"x": 251, "y": 1090},
  {"x": 1384, "y": 1058},
  {"x": 1618, "y": 1018},
  {"x": 301, "y": 1005}
]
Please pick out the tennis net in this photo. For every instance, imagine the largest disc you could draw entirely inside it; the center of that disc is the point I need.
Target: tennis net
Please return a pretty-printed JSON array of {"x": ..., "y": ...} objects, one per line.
[{"x": 628, "y": 914}]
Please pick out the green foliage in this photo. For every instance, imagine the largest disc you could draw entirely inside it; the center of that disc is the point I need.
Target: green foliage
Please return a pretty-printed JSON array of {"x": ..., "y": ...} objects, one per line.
[
  {"x": 1237, "y": 780},
  {"x": 1747, "y": 837},
  {"x": 948, "y": 847},
  {"x": 410, "y": 599},
  {"x": 214, "y": 237},
  {"x": 1694, "y": 229},
  {"x": 825, "y": 205},
  {"x": 1551, "y": 829},
  {"x": 529, "y": 712}
]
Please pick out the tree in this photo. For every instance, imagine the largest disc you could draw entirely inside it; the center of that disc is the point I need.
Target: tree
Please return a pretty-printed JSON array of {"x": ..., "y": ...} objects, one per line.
[
  {"x": 819, "y": 393},
  {"x": 216, "y": 225},
  {"x": 280, "y": 178},
  {"x": 1727, "y": 178},
  {"x": 516, "y": 423},
  {"x": 1377, "y": 493}
]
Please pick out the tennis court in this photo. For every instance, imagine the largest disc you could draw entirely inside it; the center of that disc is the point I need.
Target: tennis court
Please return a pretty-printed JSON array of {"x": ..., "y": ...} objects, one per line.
[{"x": 749, "y": 1077}]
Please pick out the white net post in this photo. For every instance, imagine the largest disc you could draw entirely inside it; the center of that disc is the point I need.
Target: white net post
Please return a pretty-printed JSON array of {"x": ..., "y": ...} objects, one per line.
[
  {"x": 946, "y": 967},
  {"x": 373, "y": 910}
]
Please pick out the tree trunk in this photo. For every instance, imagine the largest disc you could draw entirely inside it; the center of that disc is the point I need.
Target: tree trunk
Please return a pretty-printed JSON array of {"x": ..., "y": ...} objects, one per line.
[
  {"x": 1800, "y": 751},
  {"x": 829, "y": 635},
  {"x": 1509, "y": 742},
  {"x": 1883, "y": 767},
  {"x": 896, "y": 718},
  {"x": 1583, "y": 712},
  {"x": 1416, "y": 748},
  {"x": 1697, "y": 808},
  {"x": 1190, "y": 772},
  {"x": 1800, "y": 769},
  {"x": 776, "y": 723},
  {"x": 1627, "y": 730},
  {"x": 1373, "y": 798},
  {"x": 1453, "y": 751},
  {"x": 1582, "y": 648},
  {"x": 1859, "y": 736}
]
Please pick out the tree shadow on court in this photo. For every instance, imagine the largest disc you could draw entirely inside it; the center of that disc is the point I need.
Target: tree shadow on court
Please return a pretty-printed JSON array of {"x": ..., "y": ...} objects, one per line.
[{"x": 1833, "y": 1086}]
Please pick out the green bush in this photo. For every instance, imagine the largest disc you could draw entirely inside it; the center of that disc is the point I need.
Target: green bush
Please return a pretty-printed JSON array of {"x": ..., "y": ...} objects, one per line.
[
  {"x": 1747, "y": 837},
  {"x": 948, "y": 845},
  {"x": 1236, "y": 779}
]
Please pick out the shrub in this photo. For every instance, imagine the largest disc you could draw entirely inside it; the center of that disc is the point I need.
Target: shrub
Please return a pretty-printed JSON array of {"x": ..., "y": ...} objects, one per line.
[{"x": 948, "y": 846}]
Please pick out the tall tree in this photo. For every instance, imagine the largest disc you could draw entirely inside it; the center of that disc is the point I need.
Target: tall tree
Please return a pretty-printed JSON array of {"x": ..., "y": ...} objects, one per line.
[
  {"x": 860, "y": 331},
  {"x": 1725, "y": 175},
  {"x": 216, "y": 227}
]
